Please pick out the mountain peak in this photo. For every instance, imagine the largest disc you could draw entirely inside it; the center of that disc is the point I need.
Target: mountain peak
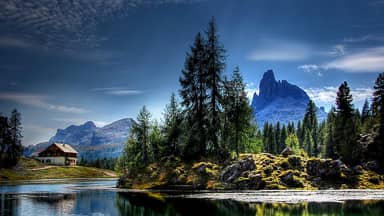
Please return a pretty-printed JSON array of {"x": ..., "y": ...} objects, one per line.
[
  {"x": 269, "y": 76},
  {"x": 278, "y": 100},
  {"x": 89, "y": 124}
]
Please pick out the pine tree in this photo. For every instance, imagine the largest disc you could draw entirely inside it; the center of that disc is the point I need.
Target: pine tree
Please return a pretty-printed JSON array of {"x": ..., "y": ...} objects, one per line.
[
  {"x": 193, "y": 94},
  {"x": 277, "y": 134},
  {"x": 365, "y": 116},
  {"x": 308, "y": 142},
  {"x": 346, "y": 129},
  {"x": 331, "y": 149},
  {"x": 172, "y": 127},
  {"x": 237, "y": 112},
  {"x": 215, "y": 66},
  {"x": 283, "y": 137},
  {"x": 141, "y": 130},
  {"x": 16, "y": 149},
  {"x": 156, "y": 141},
  {"x": 378, "y": 105},
  {"x": 310, "y": 124},
  {"x": 5, "y": 141}
]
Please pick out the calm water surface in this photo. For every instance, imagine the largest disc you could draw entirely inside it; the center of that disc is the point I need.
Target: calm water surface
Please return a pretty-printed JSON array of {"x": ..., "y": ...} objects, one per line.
[{"x": 101, "y": 198}]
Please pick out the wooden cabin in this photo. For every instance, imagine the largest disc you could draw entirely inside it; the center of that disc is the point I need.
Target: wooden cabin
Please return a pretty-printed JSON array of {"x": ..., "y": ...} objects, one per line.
[{"x": 58, "y": 154}]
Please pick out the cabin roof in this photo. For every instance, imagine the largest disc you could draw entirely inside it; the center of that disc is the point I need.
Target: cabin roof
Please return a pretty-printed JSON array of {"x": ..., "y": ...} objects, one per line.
[{"x": 65, "y": 147}]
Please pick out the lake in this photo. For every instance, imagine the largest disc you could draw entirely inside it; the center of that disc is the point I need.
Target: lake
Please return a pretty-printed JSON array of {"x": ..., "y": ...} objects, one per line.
[{"x": 99, "y": 197}]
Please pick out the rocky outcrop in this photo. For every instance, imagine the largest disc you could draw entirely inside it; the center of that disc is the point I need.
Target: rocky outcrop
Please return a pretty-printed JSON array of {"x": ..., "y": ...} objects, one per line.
[
  {"x": 326, "y": 168},
  {"x": 280, "y": 101},
  {"x": 235, "y": 170}
]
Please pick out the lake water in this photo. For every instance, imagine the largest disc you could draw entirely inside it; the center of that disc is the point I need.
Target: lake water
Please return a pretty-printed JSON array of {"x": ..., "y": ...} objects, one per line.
[{"x": 99, "y": 197}]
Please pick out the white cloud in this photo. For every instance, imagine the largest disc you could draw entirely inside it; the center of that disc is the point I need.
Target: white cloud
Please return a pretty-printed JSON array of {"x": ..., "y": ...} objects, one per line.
[
  {"x": 39, "y": 101},
  {"x": 118, "y": 91},
  {"x": 327, "y": 96},
  {"x": 311, "y": 68},
  {"x": 274, "y": 50},
  {"x": 338, "y": 50},
  {"x": 250, "y": 89},
  {"x": 368, "y": 60}
]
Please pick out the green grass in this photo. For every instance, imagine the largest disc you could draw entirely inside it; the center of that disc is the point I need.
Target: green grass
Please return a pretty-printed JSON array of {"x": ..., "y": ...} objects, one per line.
[{"x": 30, "y": 169}]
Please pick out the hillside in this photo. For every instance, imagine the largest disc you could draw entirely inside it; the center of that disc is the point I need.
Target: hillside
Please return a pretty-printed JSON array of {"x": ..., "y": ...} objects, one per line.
[{"x": 30, "y": 169}]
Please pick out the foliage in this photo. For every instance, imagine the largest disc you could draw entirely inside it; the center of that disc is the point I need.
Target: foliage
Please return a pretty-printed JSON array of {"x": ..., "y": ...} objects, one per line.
[{"x": 10, "y": 139}]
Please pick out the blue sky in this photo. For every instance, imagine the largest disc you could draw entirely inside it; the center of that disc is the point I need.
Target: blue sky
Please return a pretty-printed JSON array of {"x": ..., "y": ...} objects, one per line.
[{"x": 68, "y": 61}]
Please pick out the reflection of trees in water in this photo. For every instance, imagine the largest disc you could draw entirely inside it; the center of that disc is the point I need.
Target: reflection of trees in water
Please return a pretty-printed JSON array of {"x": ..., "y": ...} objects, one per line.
[
  {"x": 142, "y": 204},
  {"x": 8, "y": 204}
]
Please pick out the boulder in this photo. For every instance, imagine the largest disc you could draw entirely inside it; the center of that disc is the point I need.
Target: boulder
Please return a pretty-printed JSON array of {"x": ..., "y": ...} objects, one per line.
[
  {"x": 326, "y": 168},
  {"x": 253, "y": 181},
  {"x": 289, "y": 179},
  {"x": 235, "y": 170},
  {"x": 295, "y": 162},
  {"x": 287, "y": 151},
  {"x": 371, "y": 165}
]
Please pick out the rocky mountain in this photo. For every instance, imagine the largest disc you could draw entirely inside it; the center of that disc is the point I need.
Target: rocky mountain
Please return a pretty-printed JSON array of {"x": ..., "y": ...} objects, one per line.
[
  {"x": 90, "y": 141},
  {"x": 280, "y": 101}
]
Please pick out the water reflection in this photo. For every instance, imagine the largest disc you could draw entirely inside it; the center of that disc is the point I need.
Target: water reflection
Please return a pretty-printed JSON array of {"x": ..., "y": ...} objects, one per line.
[
  {"x": 149, "y": 205},
  {"x": 109, "y": 202}
]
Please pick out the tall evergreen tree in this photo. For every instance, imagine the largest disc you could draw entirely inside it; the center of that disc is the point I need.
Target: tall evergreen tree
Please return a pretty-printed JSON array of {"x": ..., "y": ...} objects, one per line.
[
  {"x": 346, "y": 130},
  {"x": 310, "y": 124},
  {"x": 237, "y": 112},
  {"x": 172, "y": 127},
  {"x": 331, "y": 149},
  {"x": 215, "y": 66},
  {"x": 277, "y": 133},
  {"x": 193, "y": 94},
  {"x": 378, "y": 105},
  {"x": 16, "y": 149},
  {"x": 283, "y": 137},
  {"x": 365, "y": 113},
  {"x": 141, "y": 129}
]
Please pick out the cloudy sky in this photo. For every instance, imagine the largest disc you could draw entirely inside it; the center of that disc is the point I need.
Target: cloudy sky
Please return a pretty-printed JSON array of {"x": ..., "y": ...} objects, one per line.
[{"x": 68, "y": 61}]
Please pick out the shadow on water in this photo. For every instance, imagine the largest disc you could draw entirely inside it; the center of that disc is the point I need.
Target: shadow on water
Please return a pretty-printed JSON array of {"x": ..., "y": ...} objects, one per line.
[
  {"x": 152, "y": 205},
  {"x": 101, "y": 202}
]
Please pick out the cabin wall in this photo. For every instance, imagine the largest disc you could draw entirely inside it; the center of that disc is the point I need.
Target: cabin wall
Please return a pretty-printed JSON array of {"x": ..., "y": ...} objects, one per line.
[{"x": 61, "y": 161}]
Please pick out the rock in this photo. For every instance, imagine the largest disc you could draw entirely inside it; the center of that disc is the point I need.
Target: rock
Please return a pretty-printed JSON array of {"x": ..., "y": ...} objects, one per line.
[
  {"x": 253, "y": 181},
  {"x": 371, "y": 165},
  {"x": 295, "y": 162},
  {"x": 374, "y": 180},
  {"x": 288, "y": 178},
  {"x": 326, "y": 168},
  {"x": 235, "y": 170},
  {"x": 358, "y": 169},
  {"x": 287, "y": 151}
]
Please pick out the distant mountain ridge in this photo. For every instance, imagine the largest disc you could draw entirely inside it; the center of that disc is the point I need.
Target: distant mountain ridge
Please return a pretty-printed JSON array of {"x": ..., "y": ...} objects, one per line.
[
  {"x": 280, "y": 101},
  {"x": 90, "y": 141}
]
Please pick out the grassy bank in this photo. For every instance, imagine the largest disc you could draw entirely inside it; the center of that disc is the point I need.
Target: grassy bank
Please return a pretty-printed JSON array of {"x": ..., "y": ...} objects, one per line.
[
  {"x": 30, "y": 169},
  {"x": 269, "y": 172}
]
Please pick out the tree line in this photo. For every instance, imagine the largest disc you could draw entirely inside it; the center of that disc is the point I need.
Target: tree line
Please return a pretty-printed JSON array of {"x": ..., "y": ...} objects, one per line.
[
  {"x": 347, "y": 134},
  {"x": 214, "y": 119},
  {"x": 10, "y": 139}
]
